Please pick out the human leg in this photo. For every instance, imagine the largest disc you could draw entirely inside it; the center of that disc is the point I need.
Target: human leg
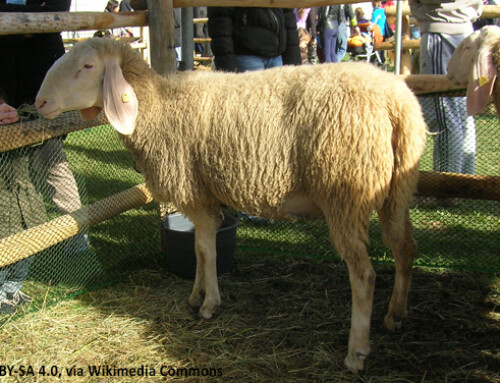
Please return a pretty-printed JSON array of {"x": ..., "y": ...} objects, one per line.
[
  {"x": 22, "y": 207},
  {"x": 341, "y": 45},
  {"x": 329, "y": 43},
  {"x": 56, "y": 177},
  {"x": 455, "y": 139},
  {"x": 54, "y": 168}
]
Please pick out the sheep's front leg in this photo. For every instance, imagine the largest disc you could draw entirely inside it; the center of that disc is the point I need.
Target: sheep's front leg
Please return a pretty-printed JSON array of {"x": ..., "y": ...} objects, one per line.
[{"x": 205, "y": 289}]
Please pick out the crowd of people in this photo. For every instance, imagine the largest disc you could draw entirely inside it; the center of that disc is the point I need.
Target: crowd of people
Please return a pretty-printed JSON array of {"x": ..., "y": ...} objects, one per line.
[
  {"x": 242, "y": 39},
  {"x": 321, "y": 34}
]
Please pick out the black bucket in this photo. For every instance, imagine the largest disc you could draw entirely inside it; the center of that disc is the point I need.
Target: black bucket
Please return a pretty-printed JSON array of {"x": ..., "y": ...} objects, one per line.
[{"x": 178, "y": 245}]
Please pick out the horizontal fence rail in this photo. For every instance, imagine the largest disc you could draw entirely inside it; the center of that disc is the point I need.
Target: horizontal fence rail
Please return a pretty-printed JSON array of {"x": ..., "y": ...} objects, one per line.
[
  {"x": 55, "y": 22},
  {"x": 21, "y": 245},
  {"x": 26, "y": 133}
]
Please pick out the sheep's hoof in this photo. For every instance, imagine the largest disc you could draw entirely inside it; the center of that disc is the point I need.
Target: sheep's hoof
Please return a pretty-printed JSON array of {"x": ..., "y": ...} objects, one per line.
[
  {"x": 356, "y": 362},
  {"x": 207, "y": 311},
  {"x": 196, "y": 299},
  {"x": 393, "y": 322}
]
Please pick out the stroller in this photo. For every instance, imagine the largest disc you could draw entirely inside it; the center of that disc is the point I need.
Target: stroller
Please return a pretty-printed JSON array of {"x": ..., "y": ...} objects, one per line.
[{"x": 361, "y": 44}]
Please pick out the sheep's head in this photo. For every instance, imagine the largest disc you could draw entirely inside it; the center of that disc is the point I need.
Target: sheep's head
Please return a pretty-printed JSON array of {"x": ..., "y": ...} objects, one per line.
[
  {"x": 89, "y": 78},
  {"x": 472, "y": 64}
]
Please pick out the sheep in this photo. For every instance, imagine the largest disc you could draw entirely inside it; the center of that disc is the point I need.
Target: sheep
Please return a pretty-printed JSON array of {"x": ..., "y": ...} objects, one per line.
[
  {"x": 475, "y": 63},
  {"x": 335, "y": 141}
]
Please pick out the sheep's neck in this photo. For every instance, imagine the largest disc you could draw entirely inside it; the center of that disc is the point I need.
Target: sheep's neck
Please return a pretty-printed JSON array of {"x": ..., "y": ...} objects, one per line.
[{"x": 148, "y": 142}]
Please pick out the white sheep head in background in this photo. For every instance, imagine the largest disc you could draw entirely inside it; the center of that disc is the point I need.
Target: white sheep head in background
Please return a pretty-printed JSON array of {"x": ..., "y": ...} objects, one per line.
[
  {"x": 92, "y": 83},
  {"x": 474, "y": 63}
]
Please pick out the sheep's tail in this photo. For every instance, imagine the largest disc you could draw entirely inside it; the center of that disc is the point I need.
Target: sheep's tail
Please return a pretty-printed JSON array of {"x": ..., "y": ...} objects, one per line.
[{"x": 408, "y": 142}]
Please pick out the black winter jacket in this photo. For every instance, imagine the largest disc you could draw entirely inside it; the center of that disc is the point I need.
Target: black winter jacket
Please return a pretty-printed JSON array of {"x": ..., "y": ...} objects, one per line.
[
  {"x": 265, "y": 32},
  {"x": 25, "y": 59}
]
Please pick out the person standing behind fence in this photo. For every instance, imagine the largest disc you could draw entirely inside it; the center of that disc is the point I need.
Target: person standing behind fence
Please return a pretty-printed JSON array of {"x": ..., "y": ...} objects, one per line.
[
  {"x": 307, "y": 19},
  {"x": 253, "y": 38},
  {"x": 21, "y": 207},
  {"x": 333, "y": 31},
  {"x": 443, "y": 25},
  {"x": 328, "y": 28},
  {"x": 348, "y": 20},
  {"x": 25, "y": 61},
  {"x": 378, "y": 16}
]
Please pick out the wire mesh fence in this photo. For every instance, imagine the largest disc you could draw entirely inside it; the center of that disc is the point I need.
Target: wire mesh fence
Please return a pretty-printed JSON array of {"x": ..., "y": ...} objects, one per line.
[{"x": 39, "y": 183}]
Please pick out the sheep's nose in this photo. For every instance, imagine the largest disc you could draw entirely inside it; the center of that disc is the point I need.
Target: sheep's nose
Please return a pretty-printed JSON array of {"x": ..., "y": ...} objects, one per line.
[{"x": 39, "y": 103}]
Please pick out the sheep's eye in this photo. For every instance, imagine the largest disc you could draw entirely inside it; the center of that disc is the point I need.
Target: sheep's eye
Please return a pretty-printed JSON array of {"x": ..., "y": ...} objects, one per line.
[{"x": 88, "y": 66}]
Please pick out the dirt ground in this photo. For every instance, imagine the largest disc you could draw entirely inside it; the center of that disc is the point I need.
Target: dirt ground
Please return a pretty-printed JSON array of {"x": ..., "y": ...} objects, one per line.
[{"x": 282, "y": 319}]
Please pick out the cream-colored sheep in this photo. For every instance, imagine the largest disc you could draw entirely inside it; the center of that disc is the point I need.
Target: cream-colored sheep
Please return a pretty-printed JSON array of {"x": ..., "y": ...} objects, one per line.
[
  {"x": 329, "y": 140},
  {"x": 475, "y": 63}
]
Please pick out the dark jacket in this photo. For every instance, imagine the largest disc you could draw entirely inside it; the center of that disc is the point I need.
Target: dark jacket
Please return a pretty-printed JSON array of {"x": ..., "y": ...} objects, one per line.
[
  {"x": 265, "y": 32},
  {"x": 27, "y": 58},
  {"x": 337, "y": 13}
]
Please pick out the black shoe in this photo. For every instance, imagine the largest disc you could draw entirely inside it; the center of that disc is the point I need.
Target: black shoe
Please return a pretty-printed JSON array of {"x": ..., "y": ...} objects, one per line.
[
  {"x": 19, "y": 298},
  {"x": 7, "y": 307}
]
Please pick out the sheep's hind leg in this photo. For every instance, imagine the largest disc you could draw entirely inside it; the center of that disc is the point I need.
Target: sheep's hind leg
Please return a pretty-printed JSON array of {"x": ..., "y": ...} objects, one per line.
[
  {"x": 205, "y": 289},
  {"x": 397, "y": 233},
  {"x": 362, "y": 279}
]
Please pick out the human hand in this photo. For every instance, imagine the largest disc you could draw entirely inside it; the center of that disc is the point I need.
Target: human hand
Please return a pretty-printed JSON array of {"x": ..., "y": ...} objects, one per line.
[{"x": 8, "y": 114}]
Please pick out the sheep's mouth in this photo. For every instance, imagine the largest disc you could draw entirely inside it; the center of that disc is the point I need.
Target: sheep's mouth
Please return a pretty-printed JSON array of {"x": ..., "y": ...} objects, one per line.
[
  {"x": 52, "y": 114},
  {"x": 90, "y": 113}
]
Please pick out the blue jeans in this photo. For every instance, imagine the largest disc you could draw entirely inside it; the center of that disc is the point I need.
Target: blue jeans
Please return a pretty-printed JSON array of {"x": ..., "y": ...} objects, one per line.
[
  {"x": 341, "y": 47},
  {"x": 251, "y": 63},
  {"x": 329, "y": 44}
]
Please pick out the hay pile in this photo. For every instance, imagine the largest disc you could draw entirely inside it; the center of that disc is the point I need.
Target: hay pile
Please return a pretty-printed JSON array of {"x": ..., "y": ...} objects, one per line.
[{"x": 283, "y": 319}]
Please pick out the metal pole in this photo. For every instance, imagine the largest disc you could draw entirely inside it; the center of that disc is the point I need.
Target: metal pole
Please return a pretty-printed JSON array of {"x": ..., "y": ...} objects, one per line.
[
  {"x": 187, "y": 35},
  {"x": 397, "y": 37}
]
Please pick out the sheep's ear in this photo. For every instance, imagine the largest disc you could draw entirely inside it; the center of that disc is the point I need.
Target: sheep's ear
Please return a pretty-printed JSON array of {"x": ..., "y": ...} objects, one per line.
[
  {"x": 120, "y": 102},
  {"x": 481, "y": 82}
]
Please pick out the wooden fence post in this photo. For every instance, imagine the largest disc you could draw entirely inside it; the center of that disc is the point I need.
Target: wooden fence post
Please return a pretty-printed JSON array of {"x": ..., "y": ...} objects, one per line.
[
  {"x": 163, "y": 60},
  {"x": 161, "y": 35}
]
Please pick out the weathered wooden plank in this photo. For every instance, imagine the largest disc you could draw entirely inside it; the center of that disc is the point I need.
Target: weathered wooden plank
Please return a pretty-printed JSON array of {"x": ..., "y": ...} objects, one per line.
[{"x": 54, "y": 22}]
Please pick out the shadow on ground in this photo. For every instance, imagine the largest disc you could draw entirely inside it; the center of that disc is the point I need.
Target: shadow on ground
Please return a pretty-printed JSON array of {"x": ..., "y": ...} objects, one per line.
[{"x": 287, "y": 319}]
